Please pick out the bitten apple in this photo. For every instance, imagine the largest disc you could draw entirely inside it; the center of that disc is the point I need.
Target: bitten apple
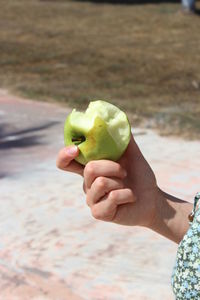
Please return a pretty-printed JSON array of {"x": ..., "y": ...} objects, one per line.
[{"x": 101, "y": 132}]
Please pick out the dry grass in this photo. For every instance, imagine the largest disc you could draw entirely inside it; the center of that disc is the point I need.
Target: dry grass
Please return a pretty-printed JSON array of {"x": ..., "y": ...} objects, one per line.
[{"x": 144, "y": 57}]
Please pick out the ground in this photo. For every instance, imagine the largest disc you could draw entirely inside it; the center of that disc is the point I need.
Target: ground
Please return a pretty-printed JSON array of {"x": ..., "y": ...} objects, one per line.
[{"x": 51, "y": 247}]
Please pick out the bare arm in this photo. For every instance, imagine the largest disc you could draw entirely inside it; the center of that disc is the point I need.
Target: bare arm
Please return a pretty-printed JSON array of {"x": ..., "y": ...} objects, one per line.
[{"x": 171, "y": 218}]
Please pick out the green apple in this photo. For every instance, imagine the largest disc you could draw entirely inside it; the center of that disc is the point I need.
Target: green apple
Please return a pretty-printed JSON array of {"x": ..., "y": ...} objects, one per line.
[{"x": 101, "y": 132}]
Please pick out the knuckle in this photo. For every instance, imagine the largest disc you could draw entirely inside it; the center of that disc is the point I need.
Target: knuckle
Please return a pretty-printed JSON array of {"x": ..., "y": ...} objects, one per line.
[
  {"x": 112, "y": 195},
  {"x": 131, "y": 194},
  {"x": 90, "y": 168},
  {"x": 96, "y": 213},
  {"x": 101, "y": 182},
  {"x": 120, "y": 169}
]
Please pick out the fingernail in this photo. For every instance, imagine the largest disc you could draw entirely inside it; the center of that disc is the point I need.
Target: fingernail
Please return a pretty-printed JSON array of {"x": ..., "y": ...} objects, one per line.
[{"x": 71, "y": 151}]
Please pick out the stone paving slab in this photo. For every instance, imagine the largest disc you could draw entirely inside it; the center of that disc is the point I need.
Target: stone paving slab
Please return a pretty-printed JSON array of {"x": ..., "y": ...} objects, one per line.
[{"x": 51, "y": 248}]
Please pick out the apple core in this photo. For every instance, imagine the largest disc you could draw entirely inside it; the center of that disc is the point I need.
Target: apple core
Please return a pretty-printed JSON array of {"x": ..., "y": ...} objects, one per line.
[{"x": 101, "y": 132}]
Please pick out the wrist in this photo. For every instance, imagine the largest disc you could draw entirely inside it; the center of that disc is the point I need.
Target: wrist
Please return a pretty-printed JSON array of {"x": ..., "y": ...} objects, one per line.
[{"x": 171, "y": 216}]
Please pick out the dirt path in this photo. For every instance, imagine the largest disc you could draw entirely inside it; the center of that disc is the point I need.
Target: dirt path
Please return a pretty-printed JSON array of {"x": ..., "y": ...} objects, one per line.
[{"x": 50, "y": 246}]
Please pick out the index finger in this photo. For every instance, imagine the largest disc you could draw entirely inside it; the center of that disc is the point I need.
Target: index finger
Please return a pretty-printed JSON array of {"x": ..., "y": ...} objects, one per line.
[{"x": 105, "y": 168}]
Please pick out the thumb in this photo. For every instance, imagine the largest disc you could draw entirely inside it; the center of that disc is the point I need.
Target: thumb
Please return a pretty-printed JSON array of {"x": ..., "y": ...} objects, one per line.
[{"x": 65, "y": 156}]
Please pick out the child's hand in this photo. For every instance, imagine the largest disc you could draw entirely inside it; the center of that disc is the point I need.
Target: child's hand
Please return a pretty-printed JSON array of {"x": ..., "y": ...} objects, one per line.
[
  {"x": 124, "y": 192},
  {"x": 124, "y": 199}
]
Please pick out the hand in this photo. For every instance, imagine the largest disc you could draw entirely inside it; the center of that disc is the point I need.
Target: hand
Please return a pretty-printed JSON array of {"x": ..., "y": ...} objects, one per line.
[
  {"x": 110, "y": 193},
  {"x": 114, "y": 197}
]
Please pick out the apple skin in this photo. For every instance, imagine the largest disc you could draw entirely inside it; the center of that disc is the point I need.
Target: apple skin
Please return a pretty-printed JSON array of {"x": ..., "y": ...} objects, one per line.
[{"x": 97, "y": 142}]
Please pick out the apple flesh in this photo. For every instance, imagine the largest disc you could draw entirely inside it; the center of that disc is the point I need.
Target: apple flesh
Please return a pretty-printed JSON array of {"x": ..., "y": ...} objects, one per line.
[{"x": 101, "y": 132}]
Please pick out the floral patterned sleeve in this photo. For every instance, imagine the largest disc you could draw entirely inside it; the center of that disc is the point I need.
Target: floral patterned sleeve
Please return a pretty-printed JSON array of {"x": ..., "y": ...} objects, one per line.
[{"x": 186, "y": 273}]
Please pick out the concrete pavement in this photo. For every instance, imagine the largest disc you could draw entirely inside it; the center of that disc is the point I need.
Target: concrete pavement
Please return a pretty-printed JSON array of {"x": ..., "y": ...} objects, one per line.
[{"x": 51, "y": 248}]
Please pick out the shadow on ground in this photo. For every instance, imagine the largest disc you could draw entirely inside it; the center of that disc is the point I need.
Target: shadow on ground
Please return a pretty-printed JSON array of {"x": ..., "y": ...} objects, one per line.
[
  {"x": 22, "y": 138},
  {"x": 21, "y": 142}
]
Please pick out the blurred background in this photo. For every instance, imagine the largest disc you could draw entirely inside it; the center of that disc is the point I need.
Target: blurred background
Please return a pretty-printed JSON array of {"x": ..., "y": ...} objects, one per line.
[{"x": 143, "y": 56}]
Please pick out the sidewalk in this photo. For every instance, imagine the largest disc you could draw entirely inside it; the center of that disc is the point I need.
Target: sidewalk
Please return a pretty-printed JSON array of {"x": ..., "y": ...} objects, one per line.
[{"x": 51, "y": 248}]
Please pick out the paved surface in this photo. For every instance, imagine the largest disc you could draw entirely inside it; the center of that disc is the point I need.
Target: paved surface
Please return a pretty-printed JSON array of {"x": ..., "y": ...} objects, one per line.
[{"x": 50, "y": 247}]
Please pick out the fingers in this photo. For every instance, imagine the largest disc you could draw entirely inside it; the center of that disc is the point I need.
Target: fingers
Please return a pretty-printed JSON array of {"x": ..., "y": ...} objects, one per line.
[
  {"x": 65, "y": 160},
  {"x": 102, "y": 186},
  {"x": 106, "y": 209},
  {"x": 105, "y": 168}
]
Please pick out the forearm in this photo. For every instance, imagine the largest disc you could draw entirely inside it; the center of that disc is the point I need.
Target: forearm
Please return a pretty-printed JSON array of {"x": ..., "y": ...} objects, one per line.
[{"x": 171, "y": 219}]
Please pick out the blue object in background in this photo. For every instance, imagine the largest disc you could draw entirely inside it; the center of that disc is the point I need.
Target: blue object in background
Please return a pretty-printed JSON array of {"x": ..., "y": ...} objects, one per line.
[{"x": 188, "y": 5}]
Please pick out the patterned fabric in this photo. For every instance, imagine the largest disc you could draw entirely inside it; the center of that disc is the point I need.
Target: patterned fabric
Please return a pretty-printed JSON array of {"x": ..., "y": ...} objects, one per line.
[{"x": 186, "y": 273}]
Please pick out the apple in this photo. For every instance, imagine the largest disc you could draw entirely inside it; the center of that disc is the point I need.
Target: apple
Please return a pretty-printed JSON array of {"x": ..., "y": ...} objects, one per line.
[{"x": 101, "y": 132}]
